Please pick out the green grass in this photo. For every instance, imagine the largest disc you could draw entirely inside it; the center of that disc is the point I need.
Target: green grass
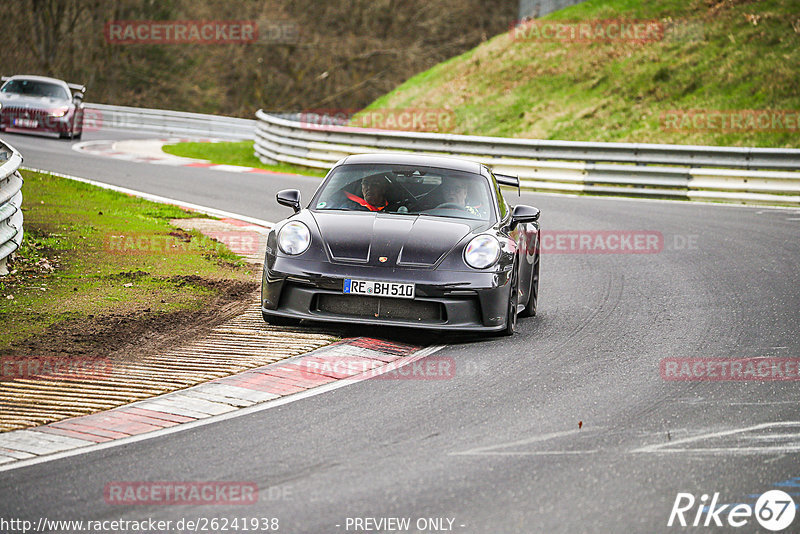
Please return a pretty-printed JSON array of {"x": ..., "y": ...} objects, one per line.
[
  {"x": 716, "y": 55},
  {"x": 71, "y": 265},
  {"x": 234, "y": 153}
]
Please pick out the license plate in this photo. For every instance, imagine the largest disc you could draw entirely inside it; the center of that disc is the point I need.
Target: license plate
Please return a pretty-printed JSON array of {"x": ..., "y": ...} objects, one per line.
[
  {"x": 26, "y": 123},
  {"x": 378, "y": 289}
]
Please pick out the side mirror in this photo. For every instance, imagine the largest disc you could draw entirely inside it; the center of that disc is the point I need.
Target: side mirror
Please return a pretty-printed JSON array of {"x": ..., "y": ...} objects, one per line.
[
  {"x": 524, "y": 214},
  {"x": 289, "y": 197}
]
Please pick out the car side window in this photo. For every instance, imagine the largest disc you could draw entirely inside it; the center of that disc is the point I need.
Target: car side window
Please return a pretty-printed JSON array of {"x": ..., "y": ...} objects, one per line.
[{"x": 501, "y": 202}]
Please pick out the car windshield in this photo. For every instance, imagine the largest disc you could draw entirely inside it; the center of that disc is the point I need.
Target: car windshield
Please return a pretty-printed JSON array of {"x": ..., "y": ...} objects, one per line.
[
  {"x": 35, "y": 88},
  {"x": 406, "y": 190}
]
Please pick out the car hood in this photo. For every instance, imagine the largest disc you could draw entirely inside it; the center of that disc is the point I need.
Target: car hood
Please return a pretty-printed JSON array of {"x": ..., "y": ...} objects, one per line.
[
  {"x": 403, "y": 240},
  {"x": 32, "y": 102}
]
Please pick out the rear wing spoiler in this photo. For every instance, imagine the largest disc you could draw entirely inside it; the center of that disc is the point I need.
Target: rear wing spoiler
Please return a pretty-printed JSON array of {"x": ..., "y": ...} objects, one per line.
[
  {"x": 77, "y": 89},
  {"x": 507, "y": 179}
]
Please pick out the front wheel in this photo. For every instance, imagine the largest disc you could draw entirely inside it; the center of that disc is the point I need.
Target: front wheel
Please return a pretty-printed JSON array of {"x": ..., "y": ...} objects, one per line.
[{"x": 511, "y": 313}]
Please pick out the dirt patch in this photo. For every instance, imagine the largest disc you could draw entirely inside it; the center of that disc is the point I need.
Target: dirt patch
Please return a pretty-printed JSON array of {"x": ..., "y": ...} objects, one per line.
[
  {"x": 139, "y": 333},
  {"x": 181, "y": 235}
]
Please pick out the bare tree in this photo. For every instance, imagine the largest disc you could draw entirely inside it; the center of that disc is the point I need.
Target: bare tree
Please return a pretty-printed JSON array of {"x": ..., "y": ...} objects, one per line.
[{"x": 348, "y": 53}]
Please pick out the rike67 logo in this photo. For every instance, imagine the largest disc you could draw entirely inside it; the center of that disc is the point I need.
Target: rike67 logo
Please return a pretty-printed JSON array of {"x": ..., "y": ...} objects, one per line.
[{"x": 774, "y": 511}]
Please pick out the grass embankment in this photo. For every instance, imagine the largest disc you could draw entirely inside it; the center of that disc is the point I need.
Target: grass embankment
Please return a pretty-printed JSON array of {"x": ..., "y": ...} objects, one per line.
[
  {"x": 234, "y": 153},
  {"x": 715, "y": 55},
  {"x": 90, "y": 254}
]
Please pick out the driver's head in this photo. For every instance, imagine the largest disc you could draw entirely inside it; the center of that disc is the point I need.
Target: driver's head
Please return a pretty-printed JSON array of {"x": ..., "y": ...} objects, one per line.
[
  {"x": 455, "y": 191},
  {"x": 373, "y": 190}
]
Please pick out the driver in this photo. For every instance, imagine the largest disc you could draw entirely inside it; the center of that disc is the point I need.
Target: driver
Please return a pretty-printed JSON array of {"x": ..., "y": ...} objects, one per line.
[
  {"x": 455, "y": 192},
  {"x": 373, "y": 195}
]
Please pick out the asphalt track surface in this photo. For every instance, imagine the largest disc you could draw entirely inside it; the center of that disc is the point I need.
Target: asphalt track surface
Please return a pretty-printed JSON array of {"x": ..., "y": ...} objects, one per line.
[{"x": 497, "y": 447}]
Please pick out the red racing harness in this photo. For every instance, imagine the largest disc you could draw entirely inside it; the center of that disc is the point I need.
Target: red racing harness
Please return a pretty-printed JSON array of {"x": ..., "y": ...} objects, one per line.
[{"x": 362, "y": 202}]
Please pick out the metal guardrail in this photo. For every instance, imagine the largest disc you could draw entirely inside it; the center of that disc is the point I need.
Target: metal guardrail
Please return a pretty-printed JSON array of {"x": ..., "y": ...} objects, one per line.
[
  {"x": 540, "y": 8},
  {"x": 10, "y": 203},
  {"x": 631, "y": 169},
  {"x": 166, "y": 122}
]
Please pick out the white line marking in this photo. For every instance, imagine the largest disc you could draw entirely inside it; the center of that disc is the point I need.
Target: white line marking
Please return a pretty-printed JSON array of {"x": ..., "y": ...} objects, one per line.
[
  {"x": 159, "y": 199},
  {"x": 524, "y": 453},
  {"x": 729, "y": 403},
  {"x": 770, "y": 437},
  {"x": 490, "y": 450},
  {"x": 732, "y": 450},
  {"x": 427, "y": 351},
  {"x": 669, "y": 446}
]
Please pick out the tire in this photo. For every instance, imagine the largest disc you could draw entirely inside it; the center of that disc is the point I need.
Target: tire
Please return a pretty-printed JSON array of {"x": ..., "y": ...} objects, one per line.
[
  {"x": 70, "y": 134},
  {"x": 533, "y": 296},
  {"x": 511, "y": 311},
  {"x": 277, "y": 320}
]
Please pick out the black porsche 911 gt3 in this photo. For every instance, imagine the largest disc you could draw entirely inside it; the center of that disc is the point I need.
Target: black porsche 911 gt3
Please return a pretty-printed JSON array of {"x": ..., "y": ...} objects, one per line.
[{"x": 404, "y": 240}]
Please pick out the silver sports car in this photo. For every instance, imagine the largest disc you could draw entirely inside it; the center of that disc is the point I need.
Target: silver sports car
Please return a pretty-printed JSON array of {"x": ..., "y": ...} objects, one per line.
[{"x": 40, "y": 104}]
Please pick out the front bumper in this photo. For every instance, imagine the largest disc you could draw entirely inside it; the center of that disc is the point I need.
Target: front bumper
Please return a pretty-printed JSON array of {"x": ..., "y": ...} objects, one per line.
[
  {"x": 444, "y": 300},
  {"x": 14, "y": 120}
]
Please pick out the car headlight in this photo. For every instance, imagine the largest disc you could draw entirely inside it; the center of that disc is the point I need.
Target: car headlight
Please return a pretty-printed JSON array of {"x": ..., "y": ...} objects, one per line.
[
  {"x": 482, "y": 252},
  {"x": 294, "y": 238},
  {"x": 59, "y": 112}
]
